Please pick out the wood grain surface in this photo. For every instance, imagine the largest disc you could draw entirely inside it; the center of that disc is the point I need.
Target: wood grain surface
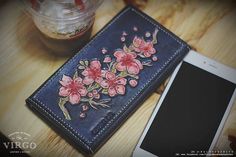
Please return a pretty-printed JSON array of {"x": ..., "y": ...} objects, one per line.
[{"x": 208, "y": 26}]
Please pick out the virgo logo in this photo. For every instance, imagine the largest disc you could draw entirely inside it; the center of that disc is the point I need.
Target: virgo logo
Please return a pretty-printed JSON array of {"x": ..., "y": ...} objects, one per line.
[{"x": 20, "y": 140}]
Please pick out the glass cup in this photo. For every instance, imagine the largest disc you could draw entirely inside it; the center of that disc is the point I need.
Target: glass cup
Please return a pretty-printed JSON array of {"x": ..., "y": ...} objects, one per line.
[{"x": 64, "y": 26}]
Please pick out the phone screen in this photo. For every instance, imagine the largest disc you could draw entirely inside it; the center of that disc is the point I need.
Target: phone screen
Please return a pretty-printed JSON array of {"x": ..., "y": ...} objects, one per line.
[{"x": 190, "y": 113}]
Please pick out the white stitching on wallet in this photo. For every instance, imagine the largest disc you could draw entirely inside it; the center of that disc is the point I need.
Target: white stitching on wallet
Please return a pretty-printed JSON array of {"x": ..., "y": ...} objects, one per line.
[
  {"x": 62, "y": 125},
  {"x": 53, "y": 115}
]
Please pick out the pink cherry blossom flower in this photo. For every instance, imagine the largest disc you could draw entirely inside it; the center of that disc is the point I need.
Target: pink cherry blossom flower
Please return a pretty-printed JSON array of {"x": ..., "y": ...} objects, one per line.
[
  {"x": 126, "y": 62},
  {"x": 135, "y": 28},
  {"x": 72, "y": 88},
  {"x": 107, "y": 59},
  {"x": 114, "y": 84},
  {"x": 133, "y": 83},
  {"x": 144, "y": 47},
  {"x": 92, "y": 73}
]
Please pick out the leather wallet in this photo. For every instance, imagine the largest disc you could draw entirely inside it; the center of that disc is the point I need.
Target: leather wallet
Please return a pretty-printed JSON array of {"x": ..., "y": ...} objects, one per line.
[{"x": 95, "y": 91}]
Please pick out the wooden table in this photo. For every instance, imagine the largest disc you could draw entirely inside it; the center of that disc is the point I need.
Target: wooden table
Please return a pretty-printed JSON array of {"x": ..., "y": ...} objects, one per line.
[{"x": 208, "y": 26}]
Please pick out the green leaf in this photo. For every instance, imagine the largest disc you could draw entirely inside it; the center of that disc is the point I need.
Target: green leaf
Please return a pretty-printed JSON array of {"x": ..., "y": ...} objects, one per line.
[
  {"x": 82, "y": 63},
  {"x": 84, "y": 100},
  {"x": 113, "y": 69},
  {"x": 126, "y": 49},
  {"x": 92, "y": 105},
  {"x": 86, "y": 62},
  {"x": 154, "y": 36},
  {"x": 96, "y": 85},
  {"x": 104, "y": 100},
  {"x": 75, "y": 75},
  {"x": 81, "y": 67},
  {"x": 131, "y": 47},
  {"x": 123, "y": 74},
  {"x": 141, "y": 55},
  {"x": 105, "y": 91},
  {"x": 64, "y": 99},
  {"x": 93, "y": 86}
]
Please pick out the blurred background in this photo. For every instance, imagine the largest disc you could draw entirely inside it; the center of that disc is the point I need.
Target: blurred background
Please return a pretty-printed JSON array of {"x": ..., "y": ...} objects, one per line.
[{"x": 25, "y": 63}]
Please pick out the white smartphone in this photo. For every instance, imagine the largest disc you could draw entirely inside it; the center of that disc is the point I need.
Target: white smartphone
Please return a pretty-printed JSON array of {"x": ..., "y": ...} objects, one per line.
[{"x": 192, "y": 110}]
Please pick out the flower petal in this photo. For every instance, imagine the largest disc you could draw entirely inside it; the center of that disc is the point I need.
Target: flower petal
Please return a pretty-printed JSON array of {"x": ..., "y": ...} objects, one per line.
[
  {"x": 133, "y": 68},
  {"x": 74, "y": 98},
  {"x": 110, "y": 76},
  {"x": 120, "y": 66},
  {"x": 120, "y": 89},
  {"x": 138, "y": 63},
  {"x": 95, "y": 64},
  {"x": 63, "y": 91},
  {"x": 147, "y": 54},
  {"x": 153, "y": 51},
  {"x": 86, "y": 72},
  {"x": 150, "y": 48},
  {"x": 88, "y": 80},
  {"x": 137, "y": 41},
  {"x": 112, "y": 91},
  {"x": 82, "y": 91},
  {"x": 78, "y": 80},
  {"x": 66, "y": 78},
  {"x": 104, "y": 84},
  {"x": 142, "y": 44},
  {"x": 65, "y": 81},
  {"x": 119, "y": 55},
  {"x": 103, "y": 73},
  {"x": 121, "y": 80},
  {"x": 132, "y": 55},
  {"x": 98, "y": 79}
]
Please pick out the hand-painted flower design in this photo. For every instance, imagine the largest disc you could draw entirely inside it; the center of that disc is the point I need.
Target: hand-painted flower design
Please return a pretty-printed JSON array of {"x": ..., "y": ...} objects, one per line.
[
  {"x": 144, "y": 47},
  {"x": 126, "y": 61},
  {"x": 92, "y": 73},
  {"x": 114, "y": 84},
  {"x": 72, "y": 88},
  {"x": 94, "y": 82}
]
